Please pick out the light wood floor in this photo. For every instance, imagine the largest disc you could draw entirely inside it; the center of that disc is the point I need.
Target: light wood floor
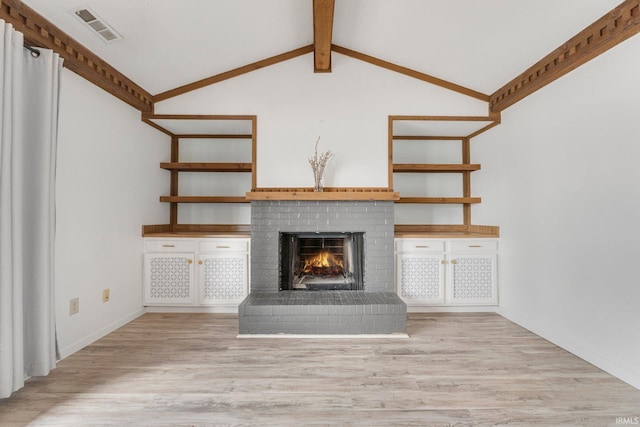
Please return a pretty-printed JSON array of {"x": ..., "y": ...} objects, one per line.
[{"x": 191, "y": 370}]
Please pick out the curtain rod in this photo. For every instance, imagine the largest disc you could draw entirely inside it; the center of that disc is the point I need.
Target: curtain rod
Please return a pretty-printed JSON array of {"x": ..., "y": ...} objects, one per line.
[{"x": 34, "y": 52}]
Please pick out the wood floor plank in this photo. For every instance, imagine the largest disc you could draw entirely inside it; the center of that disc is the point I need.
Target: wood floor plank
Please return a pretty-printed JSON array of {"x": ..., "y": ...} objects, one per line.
[{"x": 192, "y": 370}]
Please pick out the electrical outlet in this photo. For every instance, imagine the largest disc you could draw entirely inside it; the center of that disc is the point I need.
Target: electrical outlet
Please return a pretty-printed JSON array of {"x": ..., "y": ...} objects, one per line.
[
  {"x": 74, "y": 306},
  {"x": 105, "y": 295}
]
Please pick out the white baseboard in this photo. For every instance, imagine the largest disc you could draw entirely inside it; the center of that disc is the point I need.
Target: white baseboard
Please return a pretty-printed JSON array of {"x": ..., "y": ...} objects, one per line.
[
  {"x": 566, "y": 343},
  {"x": 83, "y": 342}
]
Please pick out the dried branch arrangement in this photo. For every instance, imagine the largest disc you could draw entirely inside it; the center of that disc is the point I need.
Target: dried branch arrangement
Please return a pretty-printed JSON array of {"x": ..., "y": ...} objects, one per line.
[{"x": 318, "y": 163}]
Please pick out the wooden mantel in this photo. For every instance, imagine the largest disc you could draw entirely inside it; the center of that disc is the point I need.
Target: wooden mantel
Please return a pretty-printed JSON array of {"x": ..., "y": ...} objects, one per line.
[{"x": 329, "y": 194}]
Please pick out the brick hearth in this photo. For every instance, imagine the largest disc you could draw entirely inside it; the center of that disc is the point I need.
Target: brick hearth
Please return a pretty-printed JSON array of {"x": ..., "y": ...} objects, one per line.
[{"x": 375, "y": 310}]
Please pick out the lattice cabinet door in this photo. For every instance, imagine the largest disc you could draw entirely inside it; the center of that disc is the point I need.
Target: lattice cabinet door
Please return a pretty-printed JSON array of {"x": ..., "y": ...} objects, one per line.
[
  {"x": 168, "y": 278},
  {"x": 472, "y": 279},
  {"x": 223, "y": 277},
  {"x": 421, "y": 277}
]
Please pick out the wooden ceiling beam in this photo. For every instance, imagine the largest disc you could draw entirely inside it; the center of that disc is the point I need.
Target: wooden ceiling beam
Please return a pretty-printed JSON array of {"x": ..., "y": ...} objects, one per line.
[
  {"x": 322, "y": 34},
  {"x": 610, "y": 30},
  {"x": 39, "y": 32},
  {"x": 232, "y": 73},
  {"x": 411, "y": 73}
]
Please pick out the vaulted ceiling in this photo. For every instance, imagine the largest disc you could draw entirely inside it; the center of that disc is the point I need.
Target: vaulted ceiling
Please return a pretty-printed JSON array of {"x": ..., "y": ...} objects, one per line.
[{"x": 477, "y": 44}]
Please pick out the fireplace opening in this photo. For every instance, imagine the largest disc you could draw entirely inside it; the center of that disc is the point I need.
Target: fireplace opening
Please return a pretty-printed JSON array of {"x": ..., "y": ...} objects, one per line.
[{"x": 321, "y": 261}]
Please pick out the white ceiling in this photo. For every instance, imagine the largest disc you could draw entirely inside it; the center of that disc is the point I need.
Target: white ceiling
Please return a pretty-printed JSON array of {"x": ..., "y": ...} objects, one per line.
[{"x": 480, "y": 44}]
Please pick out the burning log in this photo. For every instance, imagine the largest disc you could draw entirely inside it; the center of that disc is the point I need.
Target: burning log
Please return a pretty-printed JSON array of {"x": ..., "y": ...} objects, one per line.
[{"x": 323, "y": 264}]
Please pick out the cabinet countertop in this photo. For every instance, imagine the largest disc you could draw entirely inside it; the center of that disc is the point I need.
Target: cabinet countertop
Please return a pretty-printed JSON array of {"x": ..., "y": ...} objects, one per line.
[{"x": 196, "y": 235}]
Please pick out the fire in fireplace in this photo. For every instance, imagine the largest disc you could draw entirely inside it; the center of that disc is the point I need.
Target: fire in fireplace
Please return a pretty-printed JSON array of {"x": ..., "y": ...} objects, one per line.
[{"x": 321, "y": 261}]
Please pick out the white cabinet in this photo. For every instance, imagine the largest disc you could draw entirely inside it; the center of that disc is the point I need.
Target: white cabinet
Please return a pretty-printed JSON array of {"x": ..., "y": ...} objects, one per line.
[
  {"x": 223, "y": 271},
  {"x": 447, "y": 272},
  {"x": 196, "y": 271},
  {"x": 169, "y": 272},
  {"x": 420, "y": 270},
  {"x": 472, "y": 275},
  {"x": 168, "y": 278}
]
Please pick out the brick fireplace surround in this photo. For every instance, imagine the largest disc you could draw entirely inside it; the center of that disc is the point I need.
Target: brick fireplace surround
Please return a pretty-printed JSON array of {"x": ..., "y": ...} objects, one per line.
[{"x": 375, "y": 310}]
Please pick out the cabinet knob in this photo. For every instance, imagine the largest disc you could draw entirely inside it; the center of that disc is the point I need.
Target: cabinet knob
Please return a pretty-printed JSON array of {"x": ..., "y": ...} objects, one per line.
[
  {"x": 442, "y": 261},
  {"x": 200, "y": 262},
  {"x": 453, "y": 261},
  {"x": 190, "y": 261}
]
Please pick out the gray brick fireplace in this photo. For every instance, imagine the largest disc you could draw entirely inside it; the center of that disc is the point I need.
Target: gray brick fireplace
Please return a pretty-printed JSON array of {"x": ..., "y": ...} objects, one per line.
[{"x": 376, "y": 309}]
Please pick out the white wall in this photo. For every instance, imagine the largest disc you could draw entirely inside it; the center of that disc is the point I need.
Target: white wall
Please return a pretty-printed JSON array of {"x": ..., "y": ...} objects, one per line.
[
  {"x": 563, "y": 172},
  {"x": 348, "y": 108},
  {"x": 108, "y": 183}
]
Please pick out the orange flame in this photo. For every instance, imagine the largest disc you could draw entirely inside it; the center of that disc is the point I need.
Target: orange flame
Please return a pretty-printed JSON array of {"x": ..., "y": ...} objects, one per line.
[{"x": 322, "y": 259}]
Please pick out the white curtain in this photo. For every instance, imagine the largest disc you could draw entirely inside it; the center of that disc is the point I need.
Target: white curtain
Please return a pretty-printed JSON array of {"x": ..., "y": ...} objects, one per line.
[{"x": 28, "y": 138}]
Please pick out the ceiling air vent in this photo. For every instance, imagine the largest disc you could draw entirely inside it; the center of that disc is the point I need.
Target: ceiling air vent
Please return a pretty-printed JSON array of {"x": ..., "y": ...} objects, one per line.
[{"x": 97, "y": 25}]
